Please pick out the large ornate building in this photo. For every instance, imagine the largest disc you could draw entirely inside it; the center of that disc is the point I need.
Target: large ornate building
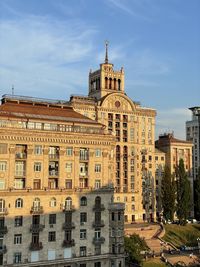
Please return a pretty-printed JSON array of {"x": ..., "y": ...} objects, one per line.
[
  {"x": 133, "y": 129},
  {"x": 56, "y": 192}
]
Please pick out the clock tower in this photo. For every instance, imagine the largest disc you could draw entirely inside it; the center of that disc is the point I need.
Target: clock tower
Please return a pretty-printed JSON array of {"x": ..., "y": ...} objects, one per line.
[{"x": 106, "y": 80}]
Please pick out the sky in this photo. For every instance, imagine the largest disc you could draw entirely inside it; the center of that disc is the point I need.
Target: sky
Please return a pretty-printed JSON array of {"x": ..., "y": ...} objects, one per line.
[{"x": 47, "y": 48}]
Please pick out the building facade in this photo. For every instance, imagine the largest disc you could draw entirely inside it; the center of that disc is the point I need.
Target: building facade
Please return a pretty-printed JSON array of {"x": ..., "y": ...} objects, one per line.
[
  {"x": 193, "y": 135},
  {"x": 56, "y": 192},
  {"x": 132, "y": 127}
]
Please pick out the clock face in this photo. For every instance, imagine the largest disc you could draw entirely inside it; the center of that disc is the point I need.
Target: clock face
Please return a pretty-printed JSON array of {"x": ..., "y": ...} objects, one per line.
[{"x": 117, "y": 104}]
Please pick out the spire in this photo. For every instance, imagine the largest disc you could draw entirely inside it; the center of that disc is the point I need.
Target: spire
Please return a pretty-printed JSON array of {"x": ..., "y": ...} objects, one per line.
[{"x": 106, "y": 55}]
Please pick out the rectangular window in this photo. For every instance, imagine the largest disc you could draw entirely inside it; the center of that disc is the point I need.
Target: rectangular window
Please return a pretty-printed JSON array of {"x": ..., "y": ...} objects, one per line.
[
  {"x": 17, "y": 257},
  {"x": 132, "y": 134},
  {"x": 37, "y": 167},
  {"x": 68, "y": 167},
  {"x": 52, "y": 236},
  {"x": 97, "y": 233},
  {"x": 83, "y": 169},
  {"x": 52, "y": 218},
  {"x": 36, "y": 184},
  {"x": 83, "y": 234},
  {"x": 68, "y": 183},
  {"x": 97, "y": 184},
  {"x": 97, "y": 168},
  {"x": 83, "y": 251},
  {"x": 17, "y": 239},
  {"x": 3, "y": 148},
  {"x": 3, "y": 166},
  {"x": 38, "y": 150},
  {"x": 2, "y": 184},
  {"x": 83, "y": 217},
  {"x": 18, "y": 221},
  {"x": 97, "y": 152},
  {"x": 97, "y": 264},
  {"x": 69, "y": 151},
  {"x": 97, "y": 250}
]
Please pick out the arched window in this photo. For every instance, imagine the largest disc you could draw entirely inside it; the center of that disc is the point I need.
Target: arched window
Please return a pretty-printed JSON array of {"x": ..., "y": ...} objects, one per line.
[
  {"x": 19, "y": 203},
  {"x": 110, "y": 83},
  {"x": 106, "y": 83},
  {"x": 68, "y": 203},
  {"x": 2, "y": 204},
  {"x": 83, "y": 201},
  {"x": 53, "y": 202},
  {"x": 36, "y": 202},
  {"x": 117, "y": 149},
  {"x": 97, "y": 201},
  {"x": 119, "y": 85},
  {"x": 115, "y": 84}
]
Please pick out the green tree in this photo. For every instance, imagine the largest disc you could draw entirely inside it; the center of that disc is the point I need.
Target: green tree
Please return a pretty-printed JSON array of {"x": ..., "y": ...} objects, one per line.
[
  {"x": 133, "y": 246},
  {"x": 197, "y": 196},
  {"x": 168, "y": 194},
  {"x": 183, "y": 192}
]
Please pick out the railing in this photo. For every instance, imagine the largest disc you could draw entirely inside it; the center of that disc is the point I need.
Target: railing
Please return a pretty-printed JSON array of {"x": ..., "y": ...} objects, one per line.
[
  {"x": 3, "y": 229},
  {"x": 99, "y": 207},
  {"x": 20, "y": 173},
  {"x": 98, "y": 223},
  {"x": 54, "y": 156},
  {"x": 35, "y": 228},
  {"x": 84, "y": 157},
  {"x": 68, "y": 208},
  {"x": 36, "y": 246},
  {"x": 53, "y": 173},
  {"x": 3, "y": 211},
  {"x": 20, "y": 155},
  {"x": 98, "y": 240},
  {"x": 3, "y": 249},
  {"x": 68, "y": 225},
  {"x": 37, "y": 210},
  {"x": 68, "y": 243}
]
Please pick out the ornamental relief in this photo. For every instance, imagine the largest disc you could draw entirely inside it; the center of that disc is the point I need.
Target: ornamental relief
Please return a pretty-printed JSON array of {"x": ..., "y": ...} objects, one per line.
[{"x": 118, "y": 103}]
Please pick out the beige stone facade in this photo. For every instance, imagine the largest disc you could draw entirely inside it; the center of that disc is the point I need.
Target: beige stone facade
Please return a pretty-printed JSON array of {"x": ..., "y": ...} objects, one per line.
[
  {"x": 133, "y": 129},
  {"x": 56, "y": 191}
]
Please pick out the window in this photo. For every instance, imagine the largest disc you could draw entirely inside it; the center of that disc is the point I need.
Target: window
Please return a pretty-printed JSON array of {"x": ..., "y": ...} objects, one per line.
[
  {"x": 82, "y": 251},
  {"x": 97, "y": 264},
  {"x": 17, "y": 257},
  {"x": 52, "y": 236},
  {"x": 18, "y": 239},
  {"x": 36, "y": 184},
  {"x": 68, "y": 167},
  {"x": 83, "y": 201},
  {"x": 83, "y": 217},
  {"x": 68, "y": 203},
  {"x": 97, "y": 168},
  {"x": 18, "y": 221},
  {"x": 98, "y": 152},
  {"x": 82, "y": 265},
  {"x": 68, "y": 183},
  {"x": 97, "y": 184},
  {"x": 3, "y": 166},
  {"x": 97, "y": 233},
  {"x": 69, "y": 151},
  {"x": 52, "y": 218},
  {"x": 3, "y": 148},
  {"x": 37, "y": 167},
  {"x": 53, "y": 202},
  {"x": 2, "y": 184},
  {"x": 83, "y": 169},
  {"x": 38, "y": 150},
  {"x": 83, "y": 234},
  {"x": 19, "y": 203},
  {"x": 97, "y": 250}
]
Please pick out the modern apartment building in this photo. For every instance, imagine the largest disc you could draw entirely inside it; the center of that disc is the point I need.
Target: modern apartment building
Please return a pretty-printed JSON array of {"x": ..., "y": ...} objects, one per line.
[
  {"x": 56, "y": 193},
  {"x": 132, "y": 127},
  {"x": 193, "y": 135}
]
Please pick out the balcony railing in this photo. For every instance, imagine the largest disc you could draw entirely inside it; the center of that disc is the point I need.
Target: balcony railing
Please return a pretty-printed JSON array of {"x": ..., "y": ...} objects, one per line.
[
  {"x": 54, "y": 156},
  {"x": 66, "y": 208},
  {"x": 20, "y": 155},
  {"x": 3, "y": 211},
  {"x": 68, "y": 225},
  {"x": 37, "y": 210},
  {"x": 68, "y": 243},
  {"x": 98, "y": 223},
  {"x": 3, "y": 249},
  {"x": 36, "y": 246},
  {"x": 3, "y": 230},
  {"x": 98, "y": 240},
  {"x": 99, "y": 207},
  {"x": 53, "y": 173},
  {"x": 84, "y": 157},
  {"x": 35, "y": 228},
  {"x": 20, "y": 173}
]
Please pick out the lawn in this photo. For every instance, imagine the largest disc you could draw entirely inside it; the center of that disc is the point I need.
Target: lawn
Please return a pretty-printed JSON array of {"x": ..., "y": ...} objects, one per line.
[
  {"x": 154, "y": 263},
  {"x": 182, "y": 235}
]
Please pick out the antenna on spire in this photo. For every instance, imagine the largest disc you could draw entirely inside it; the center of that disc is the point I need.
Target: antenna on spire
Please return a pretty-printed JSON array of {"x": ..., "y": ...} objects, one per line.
[
  {"x": 106, "y": 55},
  {"x": 12, "y": 89}
]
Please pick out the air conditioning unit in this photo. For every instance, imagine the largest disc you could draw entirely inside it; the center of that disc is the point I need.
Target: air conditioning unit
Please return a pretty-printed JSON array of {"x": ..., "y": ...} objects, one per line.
[{"x": 51, "y": 225}]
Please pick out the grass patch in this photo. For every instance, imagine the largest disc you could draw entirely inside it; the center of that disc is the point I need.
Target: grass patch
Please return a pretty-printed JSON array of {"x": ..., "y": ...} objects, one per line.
[
  {"x": 154, "y": 263},
  {"x": 182, "y": 235}
]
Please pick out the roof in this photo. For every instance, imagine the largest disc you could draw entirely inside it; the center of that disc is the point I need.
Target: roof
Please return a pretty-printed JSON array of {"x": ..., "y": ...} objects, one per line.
[
  {"x": 159, "y": 151},
  {"x": 169, "y": 139}
]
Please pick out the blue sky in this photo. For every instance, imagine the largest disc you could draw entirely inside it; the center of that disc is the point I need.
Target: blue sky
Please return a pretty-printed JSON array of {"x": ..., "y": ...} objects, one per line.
[{"x": 47, "y": 48}]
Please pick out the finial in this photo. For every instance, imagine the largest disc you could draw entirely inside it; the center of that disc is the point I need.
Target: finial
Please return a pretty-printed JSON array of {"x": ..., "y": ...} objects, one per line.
[{"x": 106, "y": 56}]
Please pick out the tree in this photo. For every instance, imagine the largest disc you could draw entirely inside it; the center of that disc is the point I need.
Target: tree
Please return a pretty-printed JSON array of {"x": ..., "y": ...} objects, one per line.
[
  {"x": 183, "y": 192},
  {"x": 197, "y": 196},
  {"x": 133, "y": 246},
  {"x": 168, "y": 194}
]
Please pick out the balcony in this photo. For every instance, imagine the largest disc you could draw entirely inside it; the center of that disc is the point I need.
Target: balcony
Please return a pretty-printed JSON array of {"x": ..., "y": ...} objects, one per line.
[
  {"x": 36, "y": 246},
  {"x": 68, "y": 208},
  {"x": 53, "y": 173},
  {"x": 84, "y": 157},
  {"x": 99, "y": 207},
  {"x": 68, "y": 225},
  {"x": 68, "y": 243},
  {"x": 20, "y": 173},
  {"x": 36, "y": 228},
  {"x": 3, "y": 249},
  {"x": 20, "y": 155},
  {"x": 98, "y": 224},
  {"x": 98, "y": 240},
  {"x": 37, "y": 210},
  {"x": 3, "y": 211},
  {"x": 3, "y": 229},
  {"x": 54, "y": 156}
]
